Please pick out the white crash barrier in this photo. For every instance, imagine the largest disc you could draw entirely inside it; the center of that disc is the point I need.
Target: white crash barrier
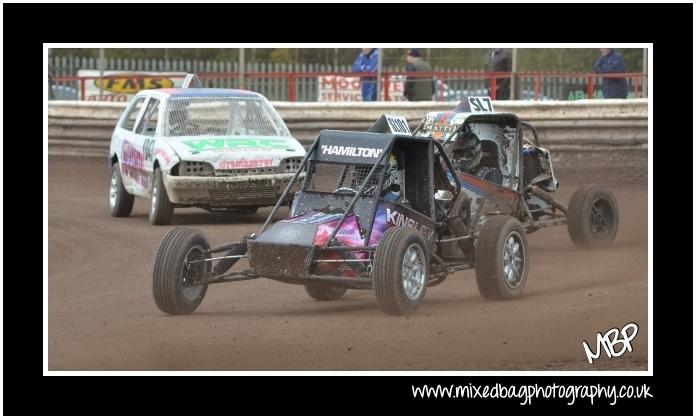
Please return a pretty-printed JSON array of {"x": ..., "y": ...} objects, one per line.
[{"x": 614, "y": 125}]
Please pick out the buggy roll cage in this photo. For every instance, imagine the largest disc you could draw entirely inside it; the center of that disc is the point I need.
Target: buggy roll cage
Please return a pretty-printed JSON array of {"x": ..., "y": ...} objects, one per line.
[
  {"x": 482, "y": 117},
  {"x": 380, "y": 161},
  {"x": 534, "y": 131}
]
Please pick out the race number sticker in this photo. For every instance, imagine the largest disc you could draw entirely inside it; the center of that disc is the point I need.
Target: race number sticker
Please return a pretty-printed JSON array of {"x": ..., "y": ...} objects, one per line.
[
  {"x": 480, "y": 104},
  {"x": 398, "y": 124}
]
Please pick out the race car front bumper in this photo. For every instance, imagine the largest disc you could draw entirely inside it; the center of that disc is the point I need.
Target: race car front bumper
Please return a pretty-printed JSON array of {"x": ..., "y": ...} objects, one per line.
[{"x": 226, "y": 191}]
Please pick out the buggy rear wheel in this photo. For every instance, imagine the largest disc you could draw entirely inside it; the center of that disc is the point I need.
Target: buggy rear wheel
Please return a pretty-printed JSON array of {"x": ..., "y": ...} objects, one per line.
[
  {"x": 174, "y": 275},
  {"x": 502, "y": 259},
  {"x": 324, "y": 292},
  {"x": 400, "y": 270},
  {"x": 593, "y": 216}
]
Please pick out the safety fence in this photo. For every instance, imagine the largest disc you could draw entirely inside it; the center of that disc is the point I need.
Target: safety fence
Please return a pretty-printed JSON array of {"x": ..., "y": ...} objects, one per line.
[{"x": 323, "y": 86}]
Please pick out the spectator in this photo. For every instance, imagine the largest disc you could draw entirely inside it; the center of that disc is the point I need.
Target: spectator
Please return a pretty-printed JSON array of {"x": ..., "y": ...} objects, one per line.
[
  {"x": 418, "y": 88},
  {"x": 500, "y": 60},
  {"x": 367, "y": 63},
  {"x": 611, "y": 62}
]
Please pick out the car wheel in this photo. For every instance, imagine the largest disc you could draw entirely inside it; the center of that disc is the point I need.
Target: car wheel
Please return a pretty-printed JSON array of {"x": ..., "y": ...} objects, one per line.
[
  {"x": 249, "y": 210},
  {"x": 400, "y": 270},
  {"x": 502, "y": 258},
  {"x": 174, "y": 275},
  {"x": 324, "y": 292},
  {"x": 593, "y": 217},
  {"x": 161, "y": 209},
  {"x": 120, "y": 201}
]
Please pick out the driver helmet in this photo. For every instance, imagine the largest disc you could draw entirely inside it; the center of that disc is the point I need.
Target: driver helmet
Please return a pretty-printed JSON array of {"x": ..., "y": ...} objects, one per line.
[{"x": 466, "y": 153}]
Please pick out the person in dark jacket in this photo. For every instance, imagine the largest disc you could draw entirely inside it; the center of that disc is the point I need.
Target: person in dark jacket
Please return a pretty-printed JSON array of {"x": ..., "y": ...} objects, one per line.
[
  {"x": 500, "y": 60},
  {"x": 367, "y": 63},
  {"x": 612, "y": 62},
  {"x": 418, "y": 88}
]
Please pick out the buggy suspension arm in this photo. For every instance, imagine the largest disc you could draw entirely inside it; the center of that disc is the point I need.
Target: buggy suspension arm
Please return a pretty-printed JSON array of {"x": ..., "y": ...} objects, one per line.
[
  {"x": 546, "y": 197},
  {"x": 235, "y": 252}
]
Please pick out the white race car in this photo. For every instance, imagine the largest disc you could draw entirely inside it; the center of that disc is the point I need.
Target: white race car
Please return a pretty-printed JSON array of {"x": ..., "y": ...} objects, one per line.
[{"x": 217, "y": 149}]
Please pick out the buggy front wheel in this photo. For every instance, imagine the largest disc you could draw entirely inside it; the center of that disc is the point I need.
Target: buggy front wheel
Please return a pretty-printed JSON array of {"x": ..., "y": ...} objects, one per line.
[
  {"x": 176, "y": 271},
  {"x": 400, "y": 270}
]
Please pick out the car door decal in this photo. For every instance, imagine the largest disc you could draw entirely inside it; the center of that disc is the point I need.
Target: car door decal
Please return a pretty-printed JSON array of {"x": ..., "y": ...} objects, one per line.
[{"x": 133, "y": 164}]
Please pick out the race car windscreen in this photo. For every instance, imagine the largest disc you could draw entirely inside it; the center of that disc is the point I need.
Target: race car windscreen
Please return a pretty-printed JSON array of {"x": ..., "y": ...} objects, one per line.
[
  {"x": 228, "y": 116},
  {"x": 341, "y": 178}
]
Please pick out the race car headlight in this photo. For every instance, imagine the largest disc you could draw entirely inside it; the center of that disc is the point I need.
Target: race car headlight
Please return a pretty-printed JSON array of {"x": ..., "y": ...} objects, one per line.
[{"x": 195, "y": 168}]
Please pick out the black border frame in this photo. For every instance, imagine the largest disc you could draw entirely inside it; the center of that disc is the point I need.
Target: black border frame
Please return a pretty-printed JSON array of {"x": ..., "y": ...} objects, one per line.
[{"x": 27, "y": 26}]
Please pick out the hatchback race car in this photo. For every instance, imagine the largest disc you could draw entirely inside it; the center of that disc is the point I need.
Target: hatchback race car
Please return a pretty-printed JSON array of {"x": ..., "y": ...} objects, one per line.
[
  {"x": 217, "y": 149},
  {"x": 398, "y": 212}
]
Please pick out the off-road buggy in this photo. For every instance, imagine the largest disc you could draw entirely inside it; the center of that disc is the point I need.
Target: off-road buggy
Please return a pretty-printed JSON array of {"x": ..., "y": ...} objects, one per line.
[{"x": 386, "y": 210}]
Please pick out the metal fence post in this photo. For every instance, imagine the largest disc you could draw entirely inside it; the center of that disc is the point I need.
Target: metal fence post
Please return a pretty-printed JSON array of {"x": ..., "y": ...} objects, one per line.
[
  {"x": 50, "y": 75},
  {"x": 241, "y": 68},
  {"x": 379, "y": 74},
  {"x": 101, "y": 73},
  {"x": 513, "y": 80},
  {"x": 590, "y": 87},
  {"x": 644, "y": 82},
  {"x": 492, "y": 86}
]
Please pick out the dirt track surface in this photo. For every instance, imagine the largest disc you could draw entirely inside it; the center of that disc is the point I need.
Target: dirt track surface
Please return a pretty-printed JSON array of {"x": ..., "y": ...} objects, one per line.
[{"x": 102, "y": 316}]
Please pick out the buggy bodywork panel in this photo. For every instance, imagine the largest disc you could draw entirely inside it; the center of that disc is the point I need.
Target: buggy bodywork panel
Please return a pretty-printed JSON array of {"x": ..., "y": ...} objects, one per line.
[{"x": 339, "y": 216}]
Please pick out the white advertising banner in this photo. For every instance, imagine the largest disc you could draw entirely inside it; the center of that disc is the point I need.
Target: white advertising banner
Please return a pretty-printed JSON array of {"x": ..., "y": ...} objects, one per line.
[
  {"x": 120, "y": 86},
  {"x": 347, "y": 89}
]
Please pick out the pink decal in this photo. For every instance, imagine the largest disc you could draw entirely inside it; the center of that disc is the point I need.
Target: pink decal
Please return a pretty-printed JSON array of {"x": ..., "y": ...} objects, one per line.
[
  {"x": 347, "y": 235},
  {"x": 236, "y": 164},
  {"x": 133, "y": 164},
  {"x": 163, "y": 153}
]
